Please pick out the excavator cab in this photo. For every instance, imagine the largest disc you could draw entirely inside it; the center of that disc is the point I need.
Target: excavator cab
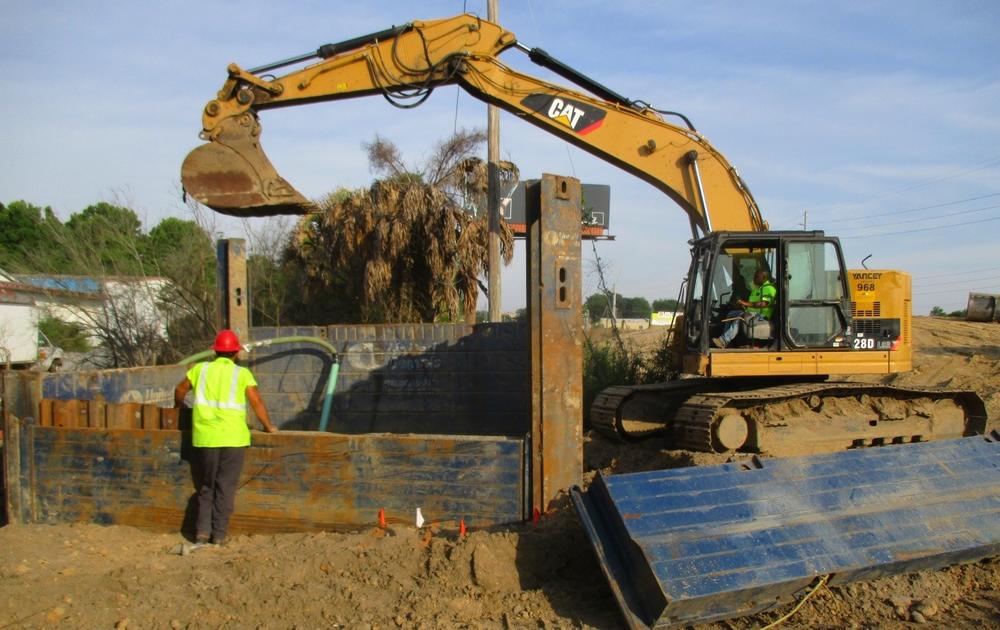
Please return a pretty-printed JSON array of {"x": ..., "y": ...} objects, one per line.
[{"x": 813, "y": 306}]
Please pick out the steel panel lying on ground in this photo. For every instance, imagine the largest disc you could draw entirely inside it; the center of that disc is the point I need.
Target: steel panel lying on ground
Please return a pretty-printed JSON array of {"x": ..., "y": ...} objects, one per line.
[
  {"x": 292, "y": 481},
  {"x": 695, "y": 544}
]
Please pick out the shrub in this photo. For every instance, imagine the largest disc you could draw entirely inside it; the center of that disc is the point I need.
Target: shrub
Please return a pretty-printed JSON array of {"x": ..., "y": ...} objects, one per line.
[{"x": 70, "y": 336}]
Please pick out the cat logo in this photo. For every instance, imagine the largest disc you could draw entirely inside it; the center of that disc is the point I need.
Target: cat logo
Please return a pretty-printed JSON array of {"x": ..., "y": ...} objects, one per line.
[{"x": 575, "y": 115}]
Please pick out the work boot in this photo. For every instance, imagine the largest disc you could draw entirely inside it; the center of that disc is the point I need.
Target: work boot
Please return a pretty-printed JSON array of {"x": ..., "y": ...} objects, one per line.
[
  {"x": 718, "y": 342},
  {"x": 220, "y": 541}
]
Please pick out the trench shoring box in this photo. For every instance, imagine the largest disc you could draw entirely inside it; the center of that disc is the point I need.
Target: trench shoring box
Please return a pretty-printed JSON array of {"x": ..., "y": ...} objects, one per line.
[{"x": 433, "y": 416}]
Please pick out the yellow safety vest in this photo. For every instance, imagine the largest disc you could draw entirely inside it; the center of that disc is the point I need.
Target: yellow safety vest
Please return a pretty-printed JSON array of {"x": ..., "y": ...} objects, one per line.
[
  {"x": 766, "y": 292},
  {"x": 220, "y": 404}
]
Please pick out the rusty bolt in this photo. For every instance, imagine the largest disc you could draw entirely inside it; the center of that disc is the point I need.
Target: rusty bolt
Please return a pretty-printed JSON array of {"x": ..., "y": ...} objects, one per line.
[
  {"x": 244, "y": 97},
  {"x": 212, "y": 109}
]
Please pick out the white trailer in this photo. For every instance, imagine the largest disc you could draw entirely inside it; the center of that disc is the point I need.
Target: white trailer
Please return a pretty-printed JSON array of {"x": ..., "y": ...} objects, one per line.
[{"x": 22, "y": 344}]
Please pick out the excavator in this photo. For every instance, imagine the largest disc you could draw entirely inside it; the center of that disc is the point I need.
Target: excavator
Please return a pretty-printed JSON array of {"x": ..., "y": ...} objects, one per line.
[{"x": 773, "y": 390}]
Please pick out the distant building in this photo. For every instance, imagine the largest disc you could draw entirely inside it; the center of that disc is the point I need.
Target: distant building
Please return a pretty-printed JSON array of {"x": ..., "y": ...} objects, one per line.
[
  {"x": 122, "y": 302},
  {"x": 625, "y": 323},
  {"x": 662, "y": 318}
]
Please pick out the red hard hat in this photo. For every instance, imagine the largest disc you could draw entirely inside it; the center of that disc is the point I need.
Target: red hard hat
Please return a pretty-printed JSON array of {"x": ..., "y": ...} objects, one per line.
[{"x": 226, "y": 341}]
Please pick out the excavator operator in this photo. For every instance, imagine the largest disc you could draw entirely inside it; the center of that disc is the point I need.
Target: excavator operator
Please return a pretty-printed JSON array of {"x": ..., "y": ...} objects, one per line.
[{"x": 758, "y": 306}]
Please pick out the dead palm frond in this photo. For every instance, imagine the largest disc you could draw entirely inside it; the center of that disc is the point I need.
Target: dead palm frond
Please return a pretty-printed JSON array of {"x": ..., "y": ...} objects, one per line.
[{"x": 404, "y": 245}]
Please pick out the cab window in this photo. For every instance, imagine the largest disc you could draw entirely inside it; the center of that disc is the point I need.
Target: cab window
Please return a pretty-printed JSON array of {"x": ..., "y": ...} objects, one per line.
[{"x": 815, "y": 286}]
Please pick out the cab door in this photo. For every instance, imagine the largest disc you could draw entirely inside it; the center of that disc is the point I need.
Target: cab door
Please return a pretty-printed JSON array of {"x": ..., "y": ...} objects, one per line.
[
  {"x": 695, "y": 314},
  {"x": 815, "y": 294}
]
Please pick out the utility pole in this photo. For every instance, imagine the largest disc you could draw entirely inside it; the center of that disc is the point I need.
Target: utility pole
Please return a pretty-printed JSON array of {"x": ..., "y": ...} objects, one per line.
[
  {"x": 493, "y": 191},
  {"x": 805, "y": 215}
]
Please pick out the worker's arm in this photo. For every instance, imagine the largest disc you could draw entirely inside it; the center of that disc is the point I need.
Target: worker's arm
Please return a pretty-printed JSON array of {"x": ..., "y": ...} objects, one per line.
[
  {"x": 180, "y": 392},
  {"x": 762, "y": 304},
  {"x": 253, "y": 396}
]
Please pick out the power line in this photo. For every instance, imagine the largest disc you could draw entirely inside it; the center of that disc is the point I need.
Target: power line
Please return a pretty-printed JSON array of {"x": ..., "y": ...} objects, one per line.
[
  {"x": 933, "y": 180},
  {"x": 938, "y": 284},
  {"x": 973, "y": 290},
  {"x": 985, "y": 164},
  {"x": 956, "y": 273},
  {"x": 940, "y": 216},
  {"x": 936, "y": 227},
  {"x": 909, "y": 210}
]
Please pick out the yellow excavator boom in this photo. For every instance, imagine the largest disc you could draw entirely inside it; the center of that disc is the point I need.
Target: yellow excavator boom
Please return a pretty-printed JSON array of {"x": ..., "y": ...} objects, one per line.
[{"x": 232, "y": 175}]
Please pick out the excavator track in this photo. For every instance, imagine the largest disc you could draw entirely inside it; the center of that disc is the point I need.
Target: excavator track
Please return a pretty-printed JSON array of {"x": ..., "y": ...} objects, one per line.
[{"x": 720, "y": 415}]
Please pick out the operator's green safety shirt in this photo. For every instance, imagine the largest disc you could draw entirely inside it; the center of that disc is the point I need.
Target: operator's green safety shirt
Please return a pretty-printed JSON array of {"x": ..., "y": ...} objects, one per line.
[
  {"x": 766, "y": 292},
  {"x": 219, "y": 414}
]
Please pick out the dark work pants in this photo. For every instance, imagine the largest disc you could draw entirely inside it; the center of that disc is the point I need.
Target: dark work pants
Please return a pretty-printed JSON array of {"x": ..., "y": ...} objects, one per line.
[{"x": 219, "y": 472}]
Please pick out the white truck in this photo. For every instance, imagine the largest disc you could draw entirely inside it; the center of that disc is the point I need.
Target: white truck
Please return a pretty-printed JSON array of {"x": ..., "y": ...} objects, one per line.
[{"x": 22, "y": 344}]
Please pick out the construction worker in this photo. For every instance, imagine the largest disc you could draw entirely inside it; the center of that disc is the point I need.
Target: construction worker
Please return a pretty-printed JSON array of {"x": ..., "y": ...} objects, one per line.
[
  {"x": 220, "y": 434},
  {"x": 759, "y": 305}
]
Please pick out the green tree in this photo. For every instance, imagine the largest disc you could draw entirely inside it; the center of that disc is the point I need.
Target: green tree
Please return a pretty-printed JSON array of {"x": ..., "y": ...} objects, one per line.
[
  {"x": 112, "y": 238},
  {"x": 105, "y": 241},
  {"x": 20, "y": 233},
  {"x": 598, "y": 305},
  {"x": 272, "y": 279},
  {"x": 172, "y": 232},
  {"x": 937, "y": 311},
  {"x": 404, "y": 249},
  {"x": 665, "y": 305},
  {"x": 182, "y": 251},
  {"x": 635, "y": 308}
]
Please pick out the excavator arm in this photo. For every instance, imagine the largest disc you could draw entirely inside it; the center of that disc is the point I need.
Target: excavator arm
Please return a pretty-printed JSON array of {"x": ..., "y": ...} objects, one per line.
[{"x": 232, "y": 175}]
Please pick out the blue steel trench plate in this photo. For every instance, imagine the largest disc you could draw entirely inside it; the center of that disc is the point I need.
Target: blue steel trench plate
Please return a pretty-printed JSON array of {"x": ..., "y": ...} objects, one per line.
[{"x": 697, "y": 544}]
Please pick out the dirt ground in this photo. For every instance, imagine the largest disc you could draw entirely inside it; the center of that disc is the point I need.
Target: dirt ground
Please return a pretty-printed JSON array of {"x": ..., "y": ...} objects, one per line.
[{"x": 539, "y": 575}]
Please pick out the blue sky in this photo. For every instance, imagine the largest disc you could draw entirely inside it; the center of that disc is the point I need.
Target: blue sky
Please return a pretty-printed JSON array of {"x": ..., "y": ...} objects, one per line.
[{"x": 876, "y": 121}]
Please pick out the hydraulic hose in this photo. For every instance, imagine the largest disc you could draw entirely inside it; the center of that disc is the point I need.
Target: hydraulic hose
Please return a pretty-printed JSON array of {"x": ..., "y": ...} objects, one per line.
[{"x": 331, "y": 380}]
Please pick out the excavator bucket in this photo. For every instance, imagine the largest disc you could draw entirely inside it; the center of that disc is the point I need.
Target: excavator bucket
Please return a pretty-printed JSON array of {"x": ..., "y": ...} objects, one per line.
[{"x": 230, "y": 174}]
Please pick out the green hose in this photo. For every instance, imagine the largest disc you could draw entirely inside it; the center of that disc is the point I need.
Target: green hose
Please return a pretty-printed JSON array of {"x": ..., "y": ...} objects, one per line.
[{"x": 331, "y": 381}]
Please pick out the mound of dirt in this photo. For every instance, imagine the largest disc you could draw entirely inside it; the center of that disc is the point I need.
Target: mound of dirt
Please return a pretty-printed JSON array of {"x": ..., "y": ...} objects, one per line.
[{"x": 539, "y": 575}]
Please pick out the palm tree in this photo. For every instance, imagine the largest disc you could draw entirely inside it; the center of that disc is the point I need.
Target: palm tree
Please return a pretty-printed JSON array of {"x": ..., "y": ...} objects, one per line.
[{"x": 406, "y": 249}]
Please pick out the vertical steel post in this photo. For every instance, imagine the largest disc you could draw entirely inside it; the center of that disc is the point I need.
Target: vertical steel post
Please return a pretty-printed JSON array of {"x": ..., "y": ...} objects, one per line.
[
  {"x": 234, "y": 299},
  {"x": 556, "y": 336},
  {"x": 13, "y": 507},
  {"x": 493, "y": 194}
]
